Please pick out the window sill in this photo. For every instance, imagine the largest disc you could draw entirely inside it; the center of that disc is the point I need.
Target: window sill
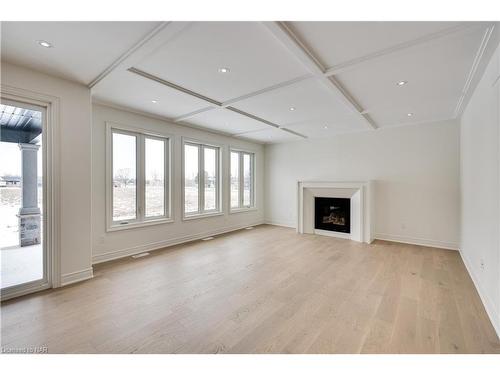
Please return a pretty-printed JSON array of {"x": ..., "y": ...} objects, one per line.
[
  {"x": 244, "y": 209},
  {"x": 202, "y": 216},
  {"x": 142, "y": 224}
]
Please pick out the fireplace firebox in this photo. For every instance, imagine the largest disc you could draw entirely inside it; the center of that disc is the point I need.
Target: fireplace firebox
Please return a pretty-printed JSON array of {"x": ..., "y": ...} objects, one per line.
[{"x": 333, "y": 214}]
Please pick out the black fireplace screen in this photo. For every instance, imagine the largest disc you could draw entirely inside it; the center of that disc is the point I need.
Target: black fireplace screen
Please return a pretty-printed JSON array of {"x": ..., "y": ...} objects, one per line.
[{"x": 332, "y": 214}]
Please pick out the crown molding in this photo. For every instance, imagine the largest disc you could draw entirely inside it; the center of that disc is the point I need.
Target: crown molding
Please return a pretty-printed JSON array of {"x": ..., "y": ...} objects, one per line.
[{"x": 478, "y": 58}]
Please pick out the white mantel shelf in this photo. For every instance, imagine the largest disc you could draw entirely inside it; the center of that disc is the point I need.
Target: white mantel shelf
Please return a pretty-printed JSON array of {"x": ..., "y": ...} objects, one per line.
[{"x": 360, "y": 194}]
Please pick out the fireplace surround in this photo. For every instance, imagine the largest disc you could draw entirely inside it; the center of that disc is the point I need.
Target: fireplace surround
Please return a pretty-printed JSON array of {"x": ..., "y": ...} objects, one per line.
[{"x": 359, "y": 195}]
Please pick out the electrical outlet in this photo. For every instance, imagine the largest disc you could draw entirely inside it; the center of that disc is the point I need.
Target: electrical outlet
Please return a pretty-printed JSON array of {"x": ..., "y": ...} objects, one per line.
[
  {"x": 481, "y": 264},
  {"x": 403, "y": 226}
]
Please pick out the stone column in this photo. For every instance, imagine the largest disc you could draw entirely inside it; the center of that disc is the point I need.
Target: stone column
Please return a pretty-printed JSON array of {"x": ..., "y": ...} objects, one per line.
[{"x": 29, "y": 213}]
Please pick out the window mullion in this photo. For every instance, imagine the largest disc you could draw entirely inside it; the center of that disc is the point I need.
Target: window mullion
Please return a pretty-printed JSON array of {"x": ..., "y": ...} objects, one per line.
[
  {"x": 201, "y": 179},
  {"x": 166, "y": 178},
  {"x": 141, "y": 177},
  {"x": 252, "y": 180},
  {"x": 241, "y": 180},
  {"x": 217, "y": 179}
]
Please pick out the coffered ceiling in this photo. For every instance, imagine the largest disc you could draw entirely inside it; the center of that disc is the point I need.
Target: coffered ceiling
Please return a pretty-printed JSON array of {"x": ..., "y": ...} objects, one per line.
[{"x": 266, "y": 81}]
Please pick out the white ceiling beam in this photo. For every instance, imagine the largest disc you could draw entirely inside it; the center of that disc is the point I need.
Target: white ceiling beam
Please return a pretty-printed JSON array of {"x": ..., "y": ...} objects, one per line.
[
  {"x": 294, "y": 133},
  {"x": 159, "y": 35},
  {"x": 266, "y": 90},
  {"x": 212, "y": 102},
  {"x": 403, "y": 47},
  {"x": 194, "y": 113},
  {"x": 311, "y": 62},
  {"x": 264, "y": 121},
  {"x": 174, "y": 86},
  {"x": 246, "y": 96}
]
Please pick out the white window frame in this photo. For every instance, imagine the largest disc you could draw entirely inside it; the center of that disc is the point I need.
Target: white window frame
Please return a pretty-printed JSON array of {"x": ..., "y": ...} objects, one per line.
[
  {"x": 141, "y": 219},
  {"x": 241, "y": 177},
  {"x": 201, "y": 213}
]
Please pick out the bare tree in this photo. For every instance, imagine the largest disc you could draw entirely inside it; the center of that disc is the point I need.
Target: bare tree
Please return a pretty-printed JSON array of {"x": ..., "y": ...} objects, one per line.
[{"x": 123, "y": 176}]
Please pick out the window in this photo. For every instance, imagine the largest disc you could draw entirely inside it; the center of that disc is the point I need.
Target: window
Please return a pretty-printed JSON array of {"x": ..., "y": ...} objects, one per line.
[
  {"x": 139, "y": 179},
  {"x": 242, "y": 180},
  {"x": 201, "y": 179},
  {"x": 124, "y": 177}
]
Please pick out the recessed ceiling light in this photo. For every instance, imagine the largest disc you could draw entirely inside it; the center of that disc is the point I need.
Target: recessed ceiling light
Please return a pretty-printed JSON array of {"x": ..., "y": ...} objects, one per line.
[
  {"x": 154, "y": 101},
  {"x": 292, "y": 108},
  {"x": 224, "y": 70},
  {"x": 44, "y": 43},
  {"x": 402, "y": 83},
  {"x": 409, "y": 114},
  {"x": 325, "y": 127}
]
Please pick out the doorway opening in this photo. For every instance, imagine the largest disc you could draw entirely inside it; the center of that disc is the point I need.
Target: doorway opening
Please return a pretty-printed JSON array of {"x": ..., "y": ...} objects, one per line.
[{"x": 23, "y": 251}]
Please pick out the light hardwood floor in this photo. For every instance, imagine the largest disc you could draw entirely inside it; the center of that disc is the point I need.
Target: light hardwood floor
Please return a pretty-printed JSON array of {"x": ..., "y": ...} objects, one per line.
[{"x": 266, "y": 290}]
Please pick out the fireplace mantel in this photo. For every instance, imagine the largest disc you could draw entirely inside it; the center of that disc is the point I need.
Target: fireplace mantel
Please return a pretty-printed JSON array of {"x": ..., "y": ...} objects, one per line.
[{"x": 360, "y": 194}]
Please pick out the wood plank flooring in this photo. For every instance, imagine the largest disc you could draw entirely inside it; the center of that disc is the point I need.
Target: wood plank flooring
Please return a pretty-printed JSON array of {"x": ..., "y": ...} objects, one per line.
[{"x": 266, "y": 290}]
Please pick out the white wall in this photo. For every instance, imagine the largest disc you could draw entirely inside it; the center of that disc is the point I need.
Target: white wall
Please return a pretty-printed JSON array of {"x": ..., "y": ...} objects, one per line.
[
  {"x": 75, "y": 152},
  {"x": 416, "y": 173},
  {"x": 109, "y": 245},
  {"x": 480, "y": 188}
]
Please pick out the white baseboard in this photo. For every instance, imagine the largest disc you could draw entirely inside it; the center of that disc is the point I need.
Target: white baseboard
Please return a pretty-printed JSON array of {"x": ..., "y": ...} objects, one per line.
[
  {"x": 416, "y": 241},
  {"x": 117, "y": 254},
  {"x": 280, "y": 224},
  {"x": 488, "y": 304},
  {"x": 74, "y": 277}
]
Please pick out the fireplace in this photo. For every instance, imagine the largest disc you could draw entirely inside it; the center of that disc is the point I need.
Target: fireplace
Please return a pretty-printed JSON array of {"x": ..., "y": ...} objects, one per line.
[{"x": 333, "y": 214}]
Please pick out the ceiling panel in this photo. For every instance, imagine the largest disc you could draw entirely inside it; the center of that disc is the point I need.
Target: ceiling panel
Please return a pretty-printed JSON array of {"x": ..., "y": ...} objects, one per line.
[
  {"x": 311, "y": 100},
  {"x": 271, "y": 135},
  {"x": 436, "y": 73},
  {"x": 334, "y": 43},
  {"x": 81, "y": 50},
  {"x": 255, "y": 59},
  {"x": 321, "y": 129},
  {"x": 224, "y": 120},
  {"x": 130, "y": 90}
]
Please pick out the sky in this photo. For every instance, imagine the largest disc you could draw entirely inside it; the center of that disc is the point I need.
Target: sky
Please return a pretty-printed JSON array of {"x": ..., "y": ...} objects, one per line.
[
  {"x": 124, "y": 155},
  {"x": 10, "y": 159}
]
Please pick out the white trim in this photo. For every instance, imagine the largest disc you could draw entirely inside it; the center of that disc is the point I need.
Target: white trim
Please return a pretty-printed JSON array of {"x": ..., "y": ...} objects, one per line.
[
  {"x": 77, "y": 276},
  {"x": 280, "y": 224},
  {"x": 201, "y": 145},
  {"x": 202, "y": 216},
  {"x": 253, "y": 162},
  {"x": 472, "y": 72},
  {"x": 417, "y": 241},
  {"x": 25, "y": 289},
  {"x": 140, "y": 224},
  {"x": 303, "y": 53},
  {"x": 171, "y": 121},
  {"x": 123, "y": 58},
  {"x": 52, "y": 184},
  {"x": 116, "y": 254},
  {"x": 363, "y": 191},
  {"x": 330, "y": 233},
  {"x": 240, "y": 210},
  {"x": 488, "y": 304},
  {"x": 403, "y": 47},
  {"x": 141, "y": 135}
]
